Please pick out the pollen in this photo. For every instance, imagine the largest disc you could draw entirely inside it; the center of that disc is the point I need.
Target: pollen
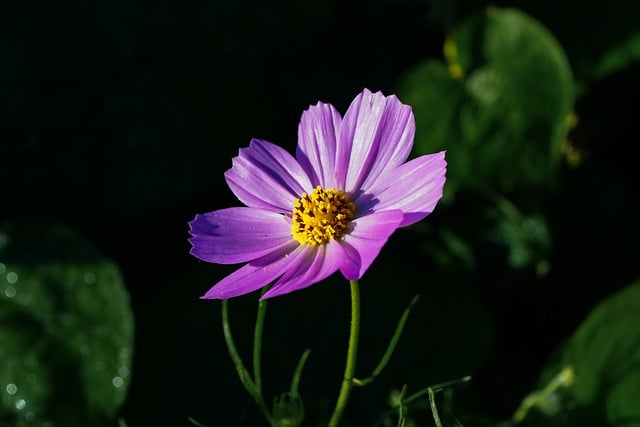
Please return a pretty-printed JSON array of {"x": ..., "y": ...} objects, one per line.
[{"x": 321, "y": 216}]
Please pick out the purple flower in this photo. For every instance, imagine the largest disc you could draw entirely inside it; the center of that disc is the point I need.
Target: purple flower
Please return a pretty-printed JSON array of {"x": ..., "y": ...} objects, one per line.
[{"x": 330, "y": 208}]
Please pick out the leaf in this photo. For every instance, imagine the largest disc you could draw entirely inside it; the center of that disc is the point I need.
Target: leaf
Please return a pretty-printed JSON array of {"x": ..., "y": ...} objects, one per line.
[
  {"x": 618, "y": 57},
  {"x": 499, "y": 106},
  {"x": 66, "y": 317},
  {"x": 435, "y": 98},
  {"x": 526, "y": 238},
  {"x": 604, "y": 353},
  {"x": 600, "y": 40}
]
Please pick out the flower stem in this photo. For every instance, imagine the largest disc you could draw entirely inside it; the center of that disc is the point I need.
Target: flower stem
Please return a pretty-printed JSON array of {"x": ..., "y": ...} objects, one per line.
[
  {"x": 257, "y": 346},
  {"x": 245, "y": 377},
  {"x": 350, "y": 368}
]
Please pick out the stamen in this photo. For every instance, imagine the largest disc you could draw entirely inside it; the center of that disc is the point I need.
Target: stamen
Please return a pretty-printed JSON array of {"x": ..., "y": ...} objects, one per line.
[{"x": 321, "y": 216}]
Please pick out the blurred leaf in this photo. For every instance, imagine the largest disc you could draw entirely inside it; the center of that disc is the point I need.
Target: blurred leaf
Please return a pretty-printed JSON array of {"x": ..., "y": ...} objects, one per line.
[
  {"x": 618, "y": 57},
  {"x": 436, "y": 100},
  {"x": 449, "y": 250},
  {"x": 600, "y": 39},
  {"x": 499, "y": 106},
  {"x": 196, "y": 423},
  {"x": 526, "y": 238},
  {"x": 67, "y": 326},
  {"x": 604, "y": 353}
]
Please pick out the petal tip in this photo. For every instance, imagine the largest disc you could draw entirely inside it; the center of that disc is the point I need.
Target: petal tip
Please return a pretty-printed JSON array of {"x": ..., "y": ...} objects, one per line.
[{"x": 208, "y": 296}]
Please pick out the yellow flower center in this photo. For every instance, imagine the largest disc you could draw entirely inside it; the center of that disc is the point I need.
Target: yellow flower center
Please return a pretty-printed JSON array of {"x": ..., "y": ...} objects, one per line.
[{"x": 321, "y": 216}]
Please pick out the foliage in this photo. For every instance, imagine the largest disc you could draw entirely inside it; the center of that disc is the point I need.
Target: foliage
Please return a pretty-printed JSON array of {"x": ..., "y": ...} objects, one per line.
[
  {"x": 67, "y": 330},
  {"x": 118, "y": 120},
  {"x": 499, "y": 105},
  {"x": 604, "y": 356}
]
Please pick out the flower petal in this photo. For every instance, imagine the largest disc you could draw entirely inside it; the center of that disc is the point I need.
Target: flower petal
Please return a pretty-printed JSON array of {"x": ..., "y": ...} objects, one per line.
[
  {"x": 363, "y": 244},
  {"x": 396, "y": 133},
  {"x": 266, "y": 176},
  {"x": 414, "y": 188},
  {"x": 256, "y": 274},
  {"x": 234, "y": 235},
  {"x": 319, "y": 263},
  {"x": 376, "y": 136},
  {"x": 316, "y": 149}
]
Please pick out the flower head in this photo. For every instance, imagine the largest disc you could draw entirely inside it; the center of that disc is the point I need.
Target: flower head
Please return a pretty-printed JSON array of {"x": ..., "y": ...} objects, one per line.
[{"x": 331, "y": 207}]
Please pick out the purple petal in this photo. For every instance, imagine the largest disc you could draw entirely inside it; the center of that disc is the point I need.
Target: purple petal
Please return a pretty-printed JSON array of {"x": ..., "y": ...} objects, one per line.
[
  {"x": 396, "y": 133},
  {"x": 316, "y": 149},
  {"x": 257, "y": 274},
  {"x": 318, "y": 263},
  {"x": 413, "y": 188},
  {"x": 363, "y": 244},
  {"x": 267, "y": 176},
  {"x": 234, "y": 235},
  {"x": 376, "y": 136}
]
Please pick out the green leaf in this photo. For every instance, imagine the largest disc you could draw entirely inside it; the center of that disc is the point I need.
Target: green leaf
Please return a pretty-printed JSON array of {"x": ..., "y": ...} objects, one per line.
[
  {"x": 618, "y": 57},
  {"x": 604, "y": 353},
  {"x": 526, "y": 238},
  {"x": 436, "y": 101},
  {"x": 599, "y": 40},
  {"x": 195, "y": 423},
  {"x": 67, "y": 323},
  {"x": 500, "y": 104},
  {"x": 605, "y": 350},
  {"x": 457, "y": 253}
]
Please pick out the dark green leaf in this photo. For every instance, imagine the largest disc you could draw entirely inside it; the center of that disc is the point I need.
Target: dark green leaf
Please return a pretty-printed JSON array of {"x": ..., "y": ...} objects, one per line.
[
  {"x": 618, "y": 57},
  {"x": 604, "y": 354},
  {"x": 68, "y": 328},
  {"x": 499, "y": 107},
  {"x": 526, "y": 238}
]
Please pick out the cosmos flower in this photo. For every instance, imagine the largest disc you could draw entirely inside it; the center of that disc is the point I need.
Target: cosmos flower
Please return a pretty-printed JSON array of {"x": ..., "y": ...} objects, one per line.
[{"x": 331, "y": 207}]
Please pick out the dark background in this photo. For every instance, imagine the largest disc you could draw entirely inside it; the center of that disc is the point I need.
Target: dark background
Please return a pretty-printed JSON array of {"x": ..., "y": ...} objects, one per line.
[{"x": 118, "y": 119}]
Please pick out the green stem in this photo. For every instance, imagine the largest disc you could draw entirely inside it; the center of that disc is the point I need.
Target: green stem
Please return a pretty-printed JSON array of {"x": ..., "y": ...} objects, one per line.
[
  {"x": 435, "y": 388},
  {"x": 390, "y": 348},
  {"x": 350, "y": 368},
  {"x": 434, "y": 408},
  {"x": 245, "y": 377},
  {"x": 257, "y": 346}
]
